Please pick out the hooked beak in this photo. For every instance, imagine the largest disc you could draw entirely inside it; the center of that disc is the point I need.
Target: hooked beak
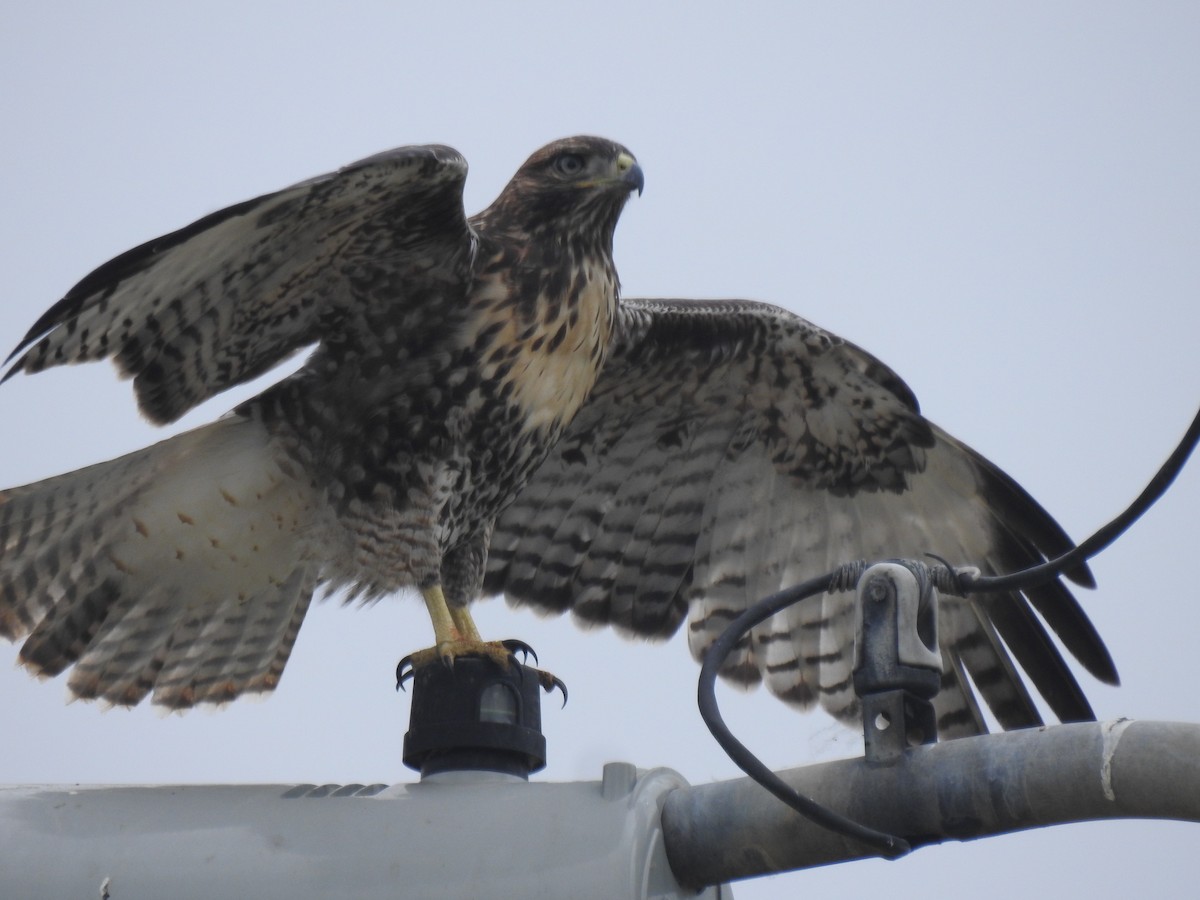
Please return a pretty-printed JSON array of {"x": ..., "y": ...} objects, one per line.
[{"x": 631, "y": 172}]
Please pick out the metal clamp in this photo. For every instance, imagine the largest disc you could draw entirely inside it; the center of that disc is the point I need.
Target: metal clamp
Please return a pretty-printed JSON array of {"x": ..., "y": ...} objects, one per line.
[{"x": 897, "y": 664}]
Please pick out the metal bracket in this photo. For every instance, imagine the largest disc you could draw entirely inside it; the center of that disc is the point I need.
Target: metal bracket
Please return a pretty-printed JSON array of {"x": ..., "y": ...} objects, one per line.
[{"x": 898, "y": 664}]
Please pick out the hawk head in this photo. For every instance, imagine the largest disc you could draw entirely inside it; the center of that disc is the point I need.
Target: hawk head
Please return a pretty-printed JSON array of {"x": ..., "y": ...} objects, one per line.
[{"x": 574, "y": 185}]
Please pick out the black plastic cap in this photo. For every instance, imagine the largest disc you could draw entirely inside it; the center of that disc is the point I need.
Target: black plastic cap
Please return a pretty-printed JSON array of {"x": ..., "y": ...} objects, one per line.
[{"x": 475, "y": 716}]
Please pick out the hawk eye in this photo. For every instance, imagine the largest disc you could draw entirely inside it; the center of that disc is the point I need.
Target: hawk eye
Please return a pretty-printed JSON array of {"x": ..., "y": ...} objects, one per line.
[{"x": 568, "y": 164}]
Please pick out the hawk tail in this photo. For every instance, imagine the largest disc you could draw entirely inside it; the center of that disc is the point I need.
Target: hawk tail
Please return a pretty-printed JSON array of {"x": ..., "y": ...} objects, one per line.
[{"x": 178, "y": 569}]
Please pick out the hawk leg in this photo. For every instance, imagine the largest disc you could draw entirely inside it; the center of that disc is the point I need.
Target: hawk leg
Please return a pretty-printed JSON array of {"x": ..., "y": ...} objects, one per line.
[{"x": 454, "y": 635}]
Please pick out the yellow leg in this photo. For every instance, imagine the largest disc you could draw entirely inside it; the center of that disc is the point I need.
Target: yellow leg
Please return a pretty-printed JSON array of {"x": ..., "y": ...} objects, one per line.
[
  {"x": 444, "y": 629},
  {"x": 464, "y": 623},
  {"x": 454, "y": 633}
]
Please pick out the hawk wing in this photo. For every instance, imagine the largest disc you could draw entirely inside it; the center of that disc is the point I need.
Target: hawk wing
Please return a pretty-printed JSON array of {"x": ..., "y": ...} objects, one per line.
[
  {"x": 731, "y": 449},
  {"x": 214, "y": 304}
]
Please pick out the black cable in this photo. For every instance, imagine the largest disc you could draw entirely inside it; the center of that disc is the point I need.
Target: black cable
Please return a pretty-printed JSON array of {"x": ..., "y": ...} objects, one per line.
[
  {"x": 1103, "y": 537},
  {"x": 891, "y": 845},
  {"x": 706, "y": 696}
]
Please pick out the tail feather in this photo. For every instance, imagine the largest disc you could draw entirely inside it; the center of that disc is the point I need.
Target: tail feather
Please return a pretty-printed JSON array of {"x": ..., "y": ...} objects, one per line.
[
  {"x": 182, "y": 570},
  {"x": 119, "y": 663},
  {"x": 219, "y": 657},
  {"x": 67, "y": 629},
  {"x": 51, "y": 535}
]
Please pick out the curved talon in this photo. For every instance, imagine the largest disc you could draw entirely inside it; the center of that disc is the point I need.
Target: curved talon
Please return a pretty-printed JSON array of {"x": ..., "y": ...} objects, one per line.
[
  {"x": 514, "y": 646},
  {"x": 550, "y": 682},
  {"x": 405, "y": 671}
]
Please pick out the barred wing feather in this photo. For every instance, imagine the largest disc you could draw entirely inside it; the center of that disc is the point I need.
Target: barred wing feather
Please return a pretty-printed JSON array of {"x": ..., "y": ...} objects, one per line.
[
  {"x": 222, "y": 300},
  {"x": 731, "y": 449}
]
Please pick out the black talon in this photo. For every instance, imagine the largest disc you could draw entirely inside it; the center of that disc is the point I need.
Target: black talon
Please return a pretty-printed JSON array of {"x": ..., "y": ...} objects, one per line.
[
  {"x": 514, "y": 647},
  {"x": 550, "y": 682},
  {"x": 404, "y": 672}
]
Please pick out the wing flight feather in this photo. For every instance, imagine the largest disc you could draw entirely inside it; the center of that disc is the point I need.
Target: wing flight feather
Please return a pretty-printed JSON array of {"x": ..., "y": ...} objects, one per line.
[
  {"x": 222, "y": 300},
  {"x": 731, "y": 449}
]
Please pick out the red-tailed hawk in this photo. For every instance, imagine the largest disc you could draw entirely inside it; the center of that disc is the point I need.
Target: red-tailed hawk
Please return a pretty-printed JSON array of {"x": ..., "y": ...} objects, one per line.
[{"x": 477, "y": 389}]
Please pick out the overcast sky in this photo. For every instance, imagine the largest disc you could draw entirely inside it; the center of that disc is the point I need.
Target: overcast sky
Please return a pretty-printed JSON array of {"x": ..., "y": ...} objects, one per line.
[{"x": 1001, "y": 201}]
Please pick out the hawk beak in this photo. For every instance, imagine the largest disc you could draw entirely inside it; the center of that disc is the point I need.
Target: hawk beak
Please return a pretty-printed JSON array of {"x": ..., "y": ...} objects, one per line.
[{"x": 631, "y": 172}]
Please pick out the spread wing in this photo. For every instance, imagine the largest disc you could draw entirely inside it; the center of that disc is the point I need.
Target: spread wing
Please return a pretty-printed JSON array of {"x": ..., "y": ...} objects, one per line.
[
  {"x": 731, "y": 449},
  {"x": 199, "y": 310}
]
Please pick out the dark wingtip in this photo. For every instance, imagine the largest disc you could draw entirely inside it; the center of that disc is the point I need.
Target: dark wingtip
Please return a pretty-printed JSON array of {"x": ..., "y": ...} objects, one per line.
[
  {"x": 18, "y": 367},
  {"x": 1082, "y": 576},
  {"x": 66, "y": 308}
]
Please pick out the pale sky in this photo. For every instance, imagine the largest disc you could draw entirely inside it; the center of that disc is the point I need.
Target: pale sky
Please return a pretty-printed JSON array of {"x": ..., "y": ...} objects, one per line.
[{"x": 1000, "y": 200}]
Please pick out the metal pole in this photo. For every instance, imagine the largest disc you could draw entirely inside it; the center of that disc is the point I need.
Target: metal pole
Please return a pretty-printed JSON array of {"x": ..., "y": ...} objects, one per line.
[{"x": 958, "y": 790}]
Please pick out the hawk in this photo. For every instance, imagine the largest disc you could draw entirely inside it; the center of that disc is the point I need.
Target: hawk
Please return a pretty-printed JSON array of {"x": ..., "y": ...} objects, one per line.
[{"x": 482, "y": 415}]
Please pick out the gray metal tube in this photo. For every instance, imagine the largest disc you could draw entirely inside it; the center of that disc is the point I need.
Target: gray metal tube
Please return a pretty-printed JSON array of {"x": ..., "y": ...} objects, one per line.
[
  {"x": 958, "y": 790},
  {"x": 454, "y": 835}
]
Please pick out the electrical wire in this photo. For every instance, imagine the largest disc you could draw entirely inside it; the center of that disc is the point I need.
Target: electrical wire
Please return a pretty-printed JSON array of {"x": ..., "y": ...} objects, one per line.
[
  {"x": 706, "y": 697},
  {"x": 1104, "y": 536}
]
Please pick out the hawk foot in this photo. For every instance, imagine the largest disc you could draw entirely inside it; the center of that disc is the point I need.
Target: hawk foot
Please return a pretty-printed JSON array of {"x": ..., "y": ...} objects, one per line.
[
  {"x": 547, "y": 680},
  {"x": 501, "y": 653}
]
